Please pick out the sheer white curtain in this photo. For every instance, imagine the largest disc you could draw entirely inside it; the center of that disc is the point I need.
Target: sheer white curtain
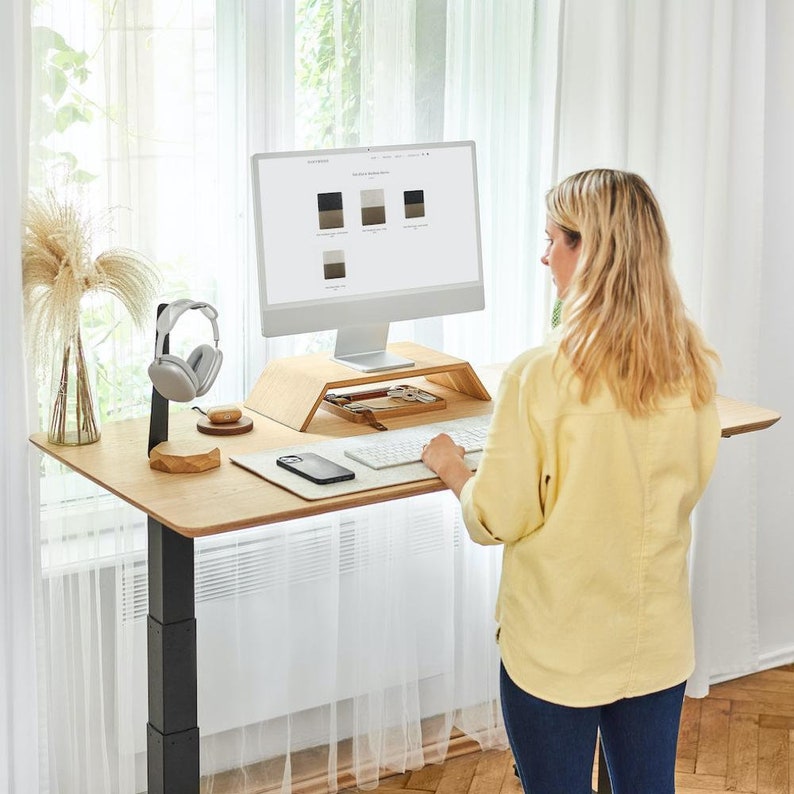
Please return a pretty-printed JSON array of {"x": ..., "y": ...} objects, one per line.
[
  {"x": 19, "y": 697},
  {"x": 145, "y": 139},
  {"x": 368, "y": 634},
  {"x": 500, "y": 80},
  {"x": 675, "y": 91}
]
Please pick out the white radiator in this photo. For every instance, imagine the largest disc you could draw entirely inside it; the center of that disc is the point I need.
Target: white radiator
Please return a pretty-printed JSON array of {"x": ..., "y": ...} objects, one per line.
[
  {"x": 261, "y": 601},
  {"x": 273, "y": 605}
]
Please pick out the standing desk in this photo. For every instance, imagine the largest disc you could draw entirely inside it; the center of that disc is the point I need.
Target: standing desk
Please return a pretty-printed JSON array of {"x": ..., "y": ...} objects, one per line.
[{"x": 181, "y": 507}]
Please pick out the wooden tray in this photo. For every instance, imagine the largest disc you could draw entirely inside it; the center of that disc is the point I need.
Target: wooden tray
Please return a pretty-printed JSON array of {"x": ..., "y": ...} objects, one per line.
[{"x": 379, "y": 404}]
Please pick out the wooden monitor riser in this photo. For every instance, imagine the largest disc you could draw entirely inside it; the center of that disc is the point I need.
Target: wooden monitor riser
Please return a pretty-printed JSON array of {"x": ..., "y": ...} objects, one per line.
[{"x": 290, "y": 390}]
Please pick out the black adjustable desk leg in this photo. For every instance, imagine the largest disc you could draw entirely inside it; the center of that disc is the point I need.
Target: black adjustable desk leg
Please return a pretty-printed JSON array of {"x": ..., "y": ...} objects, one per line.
[
  {"x": 604, "y": 784},
  {"x": 172, "y": 732}
]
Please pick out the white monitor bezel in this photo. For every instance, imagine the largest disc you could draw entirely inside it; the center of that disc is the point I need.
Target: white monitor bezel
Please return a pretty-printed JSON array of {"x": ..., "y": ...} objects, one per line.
[{"x": 369, "y": 309}]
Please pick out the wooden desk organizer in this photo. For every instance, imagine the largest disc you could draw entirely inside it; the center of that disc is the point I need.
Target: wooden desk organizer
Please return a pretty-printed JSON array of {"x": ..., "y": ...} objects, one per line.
[
  {"x": 375, "y": 406},
  {"x": 290, "y": 390}
]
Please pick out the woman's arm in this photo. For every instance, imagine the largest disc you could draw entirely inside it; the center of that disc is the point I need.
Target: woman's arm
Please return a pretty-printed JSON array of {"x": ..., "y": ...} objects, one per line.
[{"x": 502, "y": 502}]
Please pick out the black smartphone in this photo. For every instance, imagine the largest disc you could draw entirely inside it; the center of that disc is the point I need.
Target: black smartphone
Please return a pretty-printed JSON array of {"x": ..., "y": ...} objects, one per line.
[{"x": 315, "y": 468}]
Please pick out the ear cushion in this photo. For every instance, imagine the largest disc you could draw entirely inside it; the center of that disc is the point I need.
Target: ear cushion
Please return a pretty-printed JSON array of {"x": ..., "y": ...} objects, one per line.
[
  {"x": 173, "y": 378},
  {"x": 217, "y": 360},
  {"x": 205, "y": 361}
]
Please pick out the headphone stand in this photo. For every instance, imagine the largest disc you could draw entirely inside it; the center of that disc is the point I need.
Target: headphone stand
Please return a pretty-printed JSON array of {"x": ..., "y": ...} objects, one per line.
[
  {"x": 158, "y": 416},
  {"x": 168, "y": 457}
]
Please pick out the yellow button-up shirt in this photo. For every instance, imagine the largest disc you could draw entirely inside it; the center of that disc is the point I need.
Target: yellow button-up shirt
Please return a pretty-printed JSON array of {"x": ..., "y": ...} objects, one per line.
[{"x": 592, "y": 506}]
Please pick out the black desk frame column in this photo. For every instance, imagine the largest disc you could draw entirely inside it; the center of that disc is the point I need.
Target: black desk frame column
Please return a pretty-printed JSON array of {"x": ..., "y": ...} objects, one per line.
[
  {"x": 172, "y": 732},
  {"x": 604, "y": 783}
]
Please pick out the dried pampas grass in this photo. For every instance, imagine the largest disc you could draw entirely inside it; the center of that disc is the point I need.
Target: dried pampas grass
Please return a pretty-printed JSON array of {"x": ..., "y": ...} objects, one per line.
[{"x": 57, "y": 271}]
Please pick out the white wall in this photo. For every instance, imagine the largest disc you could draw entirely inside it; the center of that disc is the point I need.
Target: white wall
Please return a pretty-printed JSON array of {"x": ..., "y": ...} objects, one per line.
[{"x": 776, "y": 355}]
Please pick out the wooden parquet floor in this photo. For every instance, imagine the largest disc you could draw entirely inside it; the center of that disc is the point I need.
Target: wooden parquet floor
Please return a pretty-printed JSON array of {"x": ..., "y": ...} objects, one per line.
[{"x": 739, "y": 739}]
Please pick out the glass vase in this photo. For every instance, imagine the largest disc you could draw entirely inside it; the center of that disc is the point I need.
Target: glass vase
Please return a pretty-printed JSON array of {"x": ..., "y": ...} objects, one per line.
[{"x": 74, "y": 418}]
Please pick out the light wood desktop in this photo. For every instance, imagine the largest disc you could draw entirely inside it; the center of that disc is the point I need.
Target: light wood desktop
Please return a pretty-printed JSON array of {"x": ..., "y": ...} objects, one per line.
[{"x": 228, "y": 498}]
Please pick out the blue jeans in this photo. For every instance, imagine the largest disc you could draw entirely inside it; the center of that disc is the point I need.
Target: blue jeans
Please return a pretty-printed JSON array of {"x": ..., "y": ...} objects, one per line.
[{"x": 554, "y": 745}]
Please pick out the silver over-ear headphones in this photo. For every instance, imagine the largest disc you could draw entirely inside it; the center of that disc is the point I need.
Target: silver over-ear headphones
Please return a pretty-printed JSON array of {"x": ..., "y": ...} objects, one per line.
[{"x": 174, "y": 378}]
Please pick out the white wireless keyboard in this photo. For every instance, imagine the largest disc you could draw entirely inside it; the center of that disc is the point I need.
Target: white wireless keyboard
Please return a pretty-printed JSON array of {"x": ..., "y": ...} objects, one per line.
[{"x": 398, "y": 447}]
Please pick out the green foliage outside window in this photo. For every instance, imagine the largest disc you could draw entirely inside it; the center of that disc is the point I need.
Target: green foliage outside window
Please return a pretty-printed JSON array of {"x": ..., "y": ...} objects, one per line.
[
  {"x": 328, "y": 73},
  {"x": 59, "y": 73},
  {"x": 328, "y": 114}
]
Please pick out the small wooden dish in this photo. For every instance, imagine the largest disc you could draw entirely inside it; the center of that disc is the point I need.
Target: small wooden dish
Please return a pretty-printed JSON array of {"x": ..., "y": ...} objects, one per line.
[{"x": 242, "y": 425}]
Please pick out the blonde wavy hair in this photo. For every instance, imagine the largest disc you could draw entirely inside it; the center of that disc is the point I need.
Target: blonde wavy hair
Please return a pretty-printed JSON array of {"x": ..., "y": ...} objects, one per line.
[{"x": 624, "y": 322}]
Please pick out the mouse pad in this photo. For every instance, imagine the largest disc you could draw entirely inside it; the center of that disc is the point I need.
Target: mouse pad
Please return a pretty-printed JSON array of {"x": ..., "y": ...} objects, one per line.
[{"x": 264, "y": 465}]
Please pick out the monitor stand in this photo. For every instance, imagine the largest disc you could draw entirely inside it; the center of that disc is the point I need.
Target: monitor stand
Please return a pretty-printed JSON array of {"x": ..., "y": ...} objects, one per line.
[
  {"x": 291, "y": 389},
  {"x": 363, "y": 348}
]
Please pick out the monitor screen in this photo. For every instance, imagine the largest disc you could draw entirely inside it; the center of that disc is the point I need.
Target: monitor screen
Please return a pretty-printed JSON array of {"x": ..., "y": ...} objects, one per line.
[{"x": 354, "y": 239}]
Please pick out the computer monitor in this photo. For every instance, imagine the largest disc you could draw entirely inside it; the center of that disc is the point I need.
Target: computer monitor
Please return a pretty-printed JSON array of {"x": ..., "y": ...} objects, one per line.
[{"x": 354, "y": 239}]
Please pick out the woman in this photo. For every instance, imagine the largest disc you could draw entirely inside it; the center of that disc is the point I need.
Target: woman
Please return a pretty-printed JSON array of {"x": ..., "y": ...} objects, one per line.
[{"x": 599, "y": 447}]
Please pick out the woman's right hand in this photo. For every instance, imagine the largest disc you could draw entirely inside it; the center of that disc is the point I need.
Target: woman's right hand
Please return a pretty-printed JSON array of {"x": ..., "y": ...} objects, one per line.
[{"x": 445, "y": 458}]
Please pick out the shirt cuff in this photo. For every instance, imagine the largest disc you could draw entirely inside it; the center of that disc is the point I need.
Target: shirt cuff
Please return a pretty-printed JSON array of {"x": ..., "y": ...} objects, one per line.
[{"x": 476, "y": 529}]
